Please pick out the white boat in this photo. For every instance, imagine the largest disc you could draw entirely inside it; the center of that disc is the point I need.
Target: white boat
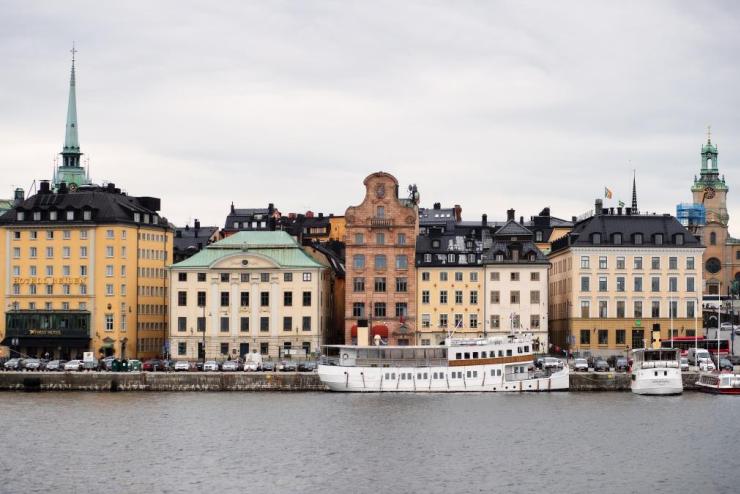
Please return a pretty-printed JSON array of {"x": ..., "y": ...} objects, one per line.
[
  {"x": 724, "y": 383},
  {"x": 656, "y": 372},
  {"x": 482, "y": 364}
]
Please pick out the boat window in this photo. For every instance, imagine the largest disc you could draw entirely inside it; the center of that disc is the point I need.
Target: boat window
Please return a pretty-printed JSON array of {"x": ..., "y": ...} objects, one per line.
[
  {"x": 387, "y": 375},
  {"x": 475, "y": 373},
  {"x": 434, "y": 375},
  {"x": 383, "y": 354},
  {"x": 408, "y": 353},
  {"x": 458, "y": 356},
  {"x": 393, "y": 375},
  {"x": 426, "y": 376},
  {"x": 444, "y": 352},
  {"x": 518, "y": 349},
  {"x": 656, "y": 373},
  {"x": 468, "y": 373},
  {"x": 500, "y": 353},
  {"x": 665, "y": 373},
  {"x": 419, "y": 353},
  {"x": 373, "y": 353},
  {"x": 526, "y": 348},
  {"x": 498, "y": 372},
  {"x": 483, "y": 354},
  {"x": 467, "y": 355},
  {"x": 493, "y": 372},
  {"x": 395, "y": 353},
  {"x": 418, "y": 375},
  {"x": 475, "y": 354},
  {"x": 403, "y": 376},
  {"x": 361, "y": 353},
  {"x": 508, "y": 352}
]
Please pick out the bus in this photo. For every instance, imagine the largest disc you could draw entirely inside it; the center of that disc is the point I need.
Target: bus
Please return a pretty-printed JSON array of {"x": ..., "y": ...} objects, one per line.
[{"x": 685, "y": 342}]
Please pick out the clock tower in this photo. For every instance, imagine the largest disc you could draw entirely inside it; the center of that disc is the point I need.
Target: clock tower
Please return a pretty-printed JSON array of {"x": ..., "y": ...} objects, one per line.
[{"x": 710, "y": 190}]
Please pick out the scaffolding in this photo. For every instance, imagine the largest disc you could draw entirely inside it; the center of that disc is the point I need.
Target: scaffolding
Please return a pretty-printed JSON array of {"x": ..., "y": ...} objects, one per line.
[{"x": 691, "y": 214}]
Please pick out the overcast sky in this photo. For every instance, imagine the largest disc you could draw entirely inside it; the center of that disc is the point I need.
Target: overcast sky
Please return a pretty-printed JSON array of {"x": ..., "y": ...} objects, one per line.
[{"x": 490, "y": 105}]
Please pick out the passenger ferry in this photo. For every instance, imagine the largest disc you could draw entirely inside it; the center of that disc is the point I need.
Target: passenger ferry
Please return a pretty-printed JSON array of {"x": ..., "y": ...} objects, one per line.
[
  {"x": 656, "y": 372},
  {"x": 724, "y": 383},
  {"x": 481, "y": 364}
]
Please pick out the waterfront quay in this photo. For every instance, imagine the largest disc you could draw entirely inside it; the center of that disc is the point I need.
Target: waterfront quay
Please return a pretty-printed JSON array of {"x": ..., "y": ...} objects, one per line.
[{"x": 237, "y": 381}]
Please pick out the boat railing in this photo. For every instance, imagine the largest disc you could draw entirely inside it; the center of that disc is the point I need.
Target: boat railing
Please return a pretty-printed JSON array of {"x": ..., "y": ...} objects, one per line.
[{"x": 659, "y": 364}]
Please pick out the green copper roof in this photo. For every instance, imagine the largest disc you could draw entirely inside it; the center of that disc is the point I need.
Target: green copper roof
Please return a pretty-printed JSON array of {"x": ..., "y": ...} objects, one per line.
[
  {"x": 71, "y": 138},
  {"x": 278, "y": 246}
]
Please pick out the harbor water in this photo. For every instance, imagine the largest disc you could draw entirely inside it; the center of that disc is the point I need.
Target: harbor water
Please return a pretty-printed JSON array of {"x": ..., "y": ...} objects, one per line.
[{"x": 321, "y": 443}]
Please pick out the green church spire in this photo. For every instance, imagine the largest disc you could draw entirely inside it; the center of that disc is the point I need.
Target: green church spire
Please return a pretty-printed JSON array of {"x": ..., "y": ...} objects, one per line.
[{"x": 71, "y": 171}]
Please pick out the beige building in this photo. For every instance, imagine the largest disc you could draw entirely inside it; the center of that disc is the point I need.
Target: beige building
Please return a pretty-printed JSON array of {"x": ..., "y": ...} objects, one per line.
[
  {"x": 252, "y": 291},
  {"x": 617, "y": 277}
]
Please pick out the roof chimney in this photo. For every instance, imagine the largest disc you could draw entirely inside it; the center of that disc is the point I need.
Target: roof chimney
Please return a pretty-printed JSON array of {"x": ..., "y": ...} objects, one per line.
[
  {"x": 232, "y": 207},
  {"x": 619, "y": 211},
  {"x": 573, "y": 219},
  {"x": 598, "y": 205},
  {"x": 521, "y": 220},
  {"x": 44, "y": 187},
  {"x": 19, "y": 196},
  {"x": 110, "y": 187},
  {"x": 437, "y": 205},
  {"x": 484, "y": 219},
  {"x": 510, "y": 213},
  {"x": 62, "y": 188},
  {"x": 458, "y": 213}
]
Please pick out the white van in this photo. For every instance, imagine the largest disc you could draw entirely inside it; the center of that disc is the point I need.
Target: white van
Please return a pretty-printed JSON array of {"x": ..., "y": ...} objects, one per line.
[{"x": 698, "y": 355}]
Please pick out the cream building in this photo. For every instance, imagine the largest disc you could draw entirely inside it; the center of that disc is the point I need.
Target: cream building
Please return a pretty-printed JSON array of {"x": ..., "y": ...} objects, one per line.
[
  {"x": 616, "y": 278},
  {"x": 252, "y": 291}
]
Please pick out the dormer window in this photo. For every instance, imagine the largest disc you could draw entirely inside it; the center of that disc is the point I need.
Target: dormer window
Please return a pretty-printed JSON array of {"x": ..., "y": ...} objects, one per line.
[
  {"x": 20, "y": 216},
  {"x": 638, "y": 238},
  {"x": 37, "y": 216},
  {"x": 450, "y": 257},
  {"x": 427, "y": 258},
  {"x": 87, "y": 215},
  {"x": 658, "y": 239},
  {"x": 538, "y": 236},
  {"x": 236, "y": 225},
  {"x": 70, "y": 215},
  {"x": 435, "y": 244},
  {"x": 499, "y": 257},
  {"x": 146, "y": 218},
  {"x": 596, "y": 238},
  {"x": 532, "y": 257},
  {"x": 53, "y": 215},
  {"x": 679, "y": 239},
  {"x": 137, "y": 217},
  {"x": 617, "y": 239}
]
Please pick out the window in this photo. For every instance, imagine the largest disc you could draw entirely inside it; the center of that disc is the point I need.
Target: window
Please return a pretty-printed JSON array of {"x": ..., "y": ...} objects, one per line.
[
  {"x": 515, "y": 297},
  {"x": 637, "y": 263},
  {"x": 425, "y": 296},
  {"x": 585, "y": 337},
  {"x": 596, "y": 238},
  {"x": 473, "y": 321},
  {"x": 585, "y": 309},
  {"x": 243, "y": 299},
  {"x": 473, "y": 276},
  {"x": 534, "y": 276},
  {"x": 402, "y": 262},
  {"x": 603, "y": 337},
  {"x": 359, "y": 238},
  {"x": 603, "y": 308},
  {"x": 621, "y": 337},
  {"x": 66, "y": 252},
  {"x": 534, "y": 321},
  {"x": 224, "y": 277},
  {"x": 713, "y": 238},
  {"x": 603, "y": 285},
  {"x": 109, "y": 270},
  {"x": 287, "y": 323},
  {"x": 201, "y": 324},
  {"x": 425, "y": 321},
  {"x": 637, "y": 309},
  {"x": 458, "y": 320},
  {"x": 495, "y": 297},
  {"x": 306, "y": 276},
  {"x": 379, "y": 309},
  {"x": 534, "y": 297},
  {"x": 358, "y": 309},
  {"x": 287, "y": 277},
  {"x": 620, "y": 262},
  {"x": 655, "y": 284},
  {"x": 443, "y": 320},
  {"x": 689, "y": 283},
  {"x": 690, "y": 308},
  {"x": 380, "y": 262},
  {"x": 224, "y": 299},
  {"x": 443, "y": 296},
  {"x": 673, "y": 308},
  {"x": 264, "y": 324},
  {"x": 358, "y": 284},
  {"x": 655, "y": 309},
  {"x": 603, "y": 262},
  {"x": 443, "y": 276},
  {"x": 655, "y": 263},
  {"x": 401, "y": 239},
  {"x": 380, "y": 212},
  {"x": 202, "y": 277},
  {"x": 182, "y": 323},
  {"x": 306, "y": 299},
  {"x": 123, "y": 271},
  {"x": 672, "y": 284},
  {"x": 673, "y": 263},
  {"x": 620, "y": 283},
  {"x": 201, "y": 298},
  {"x": 495, "y": 276},
  {"x": 380, "y": 238},
  {"x": 458, "y": 296},
  {"x": 109, "y": 322},
  {"x": 109, "y": 289},
  {"x": 425, "y": 276},
  {"x": 49, "y": 252},
  {"x": 458, "y": 276},
  {"x": 401, "y": 309},
  {"x": 617, "y": 239},
  {"x": 265, "y": 277},
  {"x": 474, "y": 297},
  {"x": 358, "y": 261},
  {"x": 380, "y": 284},
  {"x": 224, "y": 348},
  {"x": 288, "y": 299},
  {"x": 402, "y": 284},
  {"x": 584, "y": 262},
  {"x": 690, "y": 261},
  {"x": 306, "y": 323},
  {"x": 264, "y": 299},
  {"x": 109, "y": 252},
  {"x": 620, "y": 309},
  {"x": 514, "y": 276},
  {"x": 638, "y": 238},
  {"x": 638, "y": 283}
]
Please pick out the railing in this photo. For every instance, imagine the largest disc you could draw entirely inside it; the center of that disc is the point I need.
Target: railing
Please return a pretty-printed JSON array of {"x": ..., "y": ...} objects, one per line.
[{"x": 381, "y": 222}]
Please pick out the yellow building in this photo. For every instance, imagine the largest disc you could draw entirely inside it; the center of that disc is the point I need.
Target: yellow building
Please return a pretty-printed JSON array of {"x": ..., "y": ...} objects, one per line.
[
  {"x": 616, "y": 278},
  {"x": 83, "y": 266}
]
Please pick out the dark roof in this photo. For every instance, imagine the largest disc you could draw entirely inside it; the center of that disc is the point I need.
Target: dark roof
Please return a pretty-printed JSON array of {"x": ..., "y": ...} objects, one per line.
[
  {"x": 512, "y": 229},
  {"x": 606, "y": 225},
  {"x": 106, "y": 204},
  {"x": 193, "y": 238},
  {"x": 244, "y": 217}
]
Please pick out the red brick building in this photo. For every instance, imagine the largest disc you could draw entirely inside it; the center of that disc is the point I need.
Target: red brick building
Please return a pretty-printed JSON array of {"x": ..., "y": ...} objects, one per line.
[{"x": 380, "y": 250}]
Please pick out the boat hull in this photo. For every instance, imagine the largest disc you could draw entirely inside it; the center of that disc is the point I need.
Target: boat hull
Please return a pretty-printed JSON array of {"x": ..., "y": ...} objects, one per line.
[
  {"x": 430, "y": 380},
  {"x": 644, "y": 383}
]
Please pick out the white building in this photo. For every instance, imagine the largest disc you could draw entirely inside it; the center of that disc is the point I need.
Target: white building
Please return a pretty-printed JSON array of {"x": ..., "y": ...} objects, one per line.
[{"x": 250, "y": 291}]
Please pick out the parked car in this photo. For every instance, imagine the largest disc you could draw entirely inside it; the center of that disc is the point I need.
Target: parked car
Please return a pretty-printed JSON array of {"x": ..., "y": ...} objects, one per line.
[
  {"x": 34, "y": 364},
  {"x": 551, "y": 363},
  {"x": 580, "y": 365},
  {"x": 55, "y": 365},
  {"x": 73, "y": 365},
  {"x": 697, "y": 354},
  {"x": 684, "y": 364},
  {"x": 210, "y": 366},
  {"x": 725, "y": 365},
  {"x": 288, "y": 366},
  {"x": 182, "y": 365},
  {"x": 267, "y": 367},
  {"x": 621, "y": 364},
  {"x": 308, "y": 366},
  {"x": 154, "y": 365},
  {"x": 251, "y": 366},
  {"x": 107, "y": 363},
  {"x": 230, "y": 366},
  {"x": 601, "y": 365},
  {"x": 706, "y": 365},
  {"x": 13, "y": 364}
]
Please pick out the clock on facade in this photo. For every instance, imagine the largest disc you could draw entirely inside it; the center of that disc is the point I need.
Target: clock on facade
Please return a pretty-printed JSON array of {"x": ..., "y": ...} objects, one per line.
[
  {"x": 713, "y": 265},
  {"x": 709, "y": 192}
]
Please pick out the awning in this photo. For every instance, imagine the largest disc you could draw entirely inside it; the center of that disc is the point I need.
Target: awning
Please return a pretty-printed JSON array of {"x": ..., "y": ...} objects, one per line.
[
  {"x": 379, "y": 329},
  {"x": 107, "y": 344},
  {"x": 47, "y": 342}
]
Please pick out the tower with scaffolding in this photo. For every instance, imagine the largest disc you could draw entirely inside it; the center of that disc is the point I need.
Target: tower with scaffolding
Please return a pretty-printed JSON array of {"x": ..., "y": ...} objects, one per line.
[{"x": 691, "y": 215}]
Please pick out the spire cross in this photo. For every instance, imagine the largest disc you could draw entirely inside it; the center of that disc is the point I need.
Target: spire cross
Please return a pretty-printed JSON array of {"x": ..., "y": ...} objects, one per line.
[
  {"x": 709, "y": 134},
  {"x": 73, "y": 51}
]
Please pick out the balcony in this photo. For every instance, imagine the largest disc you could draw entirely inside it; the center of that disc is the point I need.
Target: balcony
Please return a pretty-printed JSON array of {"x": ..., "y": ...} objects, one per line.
[{"x": 381, "y": 222}]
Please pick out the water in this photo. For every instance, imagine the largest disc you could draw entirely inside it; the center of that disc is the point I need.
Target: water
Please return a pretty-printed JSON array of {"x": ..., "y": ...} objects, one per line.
[{"x": 320, "y": 442}]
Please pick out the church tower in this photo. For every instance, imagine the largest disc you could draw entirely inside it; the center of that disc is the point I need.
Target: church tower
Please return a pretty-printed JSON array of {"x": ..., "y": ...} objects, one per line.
[{"x": 71, "y": 171}]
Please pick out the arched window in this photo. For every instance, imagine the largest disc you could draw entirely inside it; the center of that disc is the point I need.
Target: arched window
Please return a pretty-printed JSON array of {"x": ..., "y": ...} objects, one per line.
[{"x": 713, "y": 238}]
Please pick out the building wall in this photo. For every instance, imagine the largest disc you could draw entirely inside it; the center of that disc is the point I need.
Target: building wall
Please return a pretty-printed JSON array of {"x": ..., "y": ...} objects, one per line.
[
  {"x": 433, "y": 309},
  {"x": 566, "y": 294},
  {"x": 397, "y": 218},
  {"x": 338, "y": 228},
  {"x": 242, "y": 279},
  {"x": 531, "y": 307},
  {"x": 111, "y": 281}
]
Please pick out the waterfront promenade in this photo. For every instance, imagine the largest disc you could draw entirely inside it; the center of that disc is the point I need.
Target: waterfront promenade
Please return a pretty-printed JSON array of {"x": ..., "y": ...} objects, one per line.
[{"x": 241, "y": 381}]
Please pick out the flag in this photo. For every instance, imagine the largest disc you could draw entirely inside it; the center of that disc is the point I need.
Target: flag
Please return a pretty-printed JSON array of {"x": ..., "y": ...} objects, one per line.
[
  {"x": 607, "y": 193},
  {"x": 621, "y": 204}
]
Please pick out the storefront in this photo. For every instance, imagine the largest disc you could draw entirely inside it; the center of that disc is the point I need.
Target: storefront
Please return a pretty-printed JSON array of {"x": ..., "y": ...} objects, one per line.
[{"x": 52, "y": 334}]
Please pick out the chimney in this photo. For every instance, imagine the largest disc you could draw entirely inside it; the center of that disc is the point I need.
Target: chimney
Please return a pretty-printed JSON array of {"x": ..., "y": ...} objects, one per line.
[
  {"x": 437, "y": 205},
  {"x": 110, "y": 187},
  {"x": 62, "y": 188},
  {"x": 611, "y": 211},
  {"x": 510, "y": 213},
  {"x": 545, "y": 212},
  {"x": 44, "y": 187},
  {"x": 19, "y": 196},
  {"x": 232, "y": 207},
  {"x": 458, "y": 213},
  {"x": 521, "y": 220},
  {"x": 574, "y": 219},
  {"x": 619, "y": 211},
  {"x": 321, "y": 215},
  {"x": 197, "y": 224},
  {"x": 628, "y": 211},
  {"x": 598, "y": 205},
  {"x": 484, "y": 219}
]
